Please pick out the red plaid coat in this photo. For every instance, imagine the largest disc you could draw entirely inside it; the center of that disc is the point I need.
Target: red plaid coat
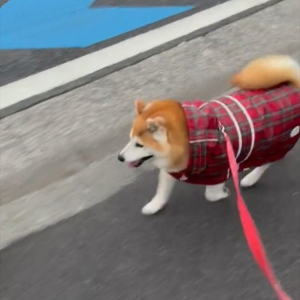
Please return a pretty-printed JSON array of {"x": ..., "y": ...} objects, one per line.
[{"x": 263, "y": 126}]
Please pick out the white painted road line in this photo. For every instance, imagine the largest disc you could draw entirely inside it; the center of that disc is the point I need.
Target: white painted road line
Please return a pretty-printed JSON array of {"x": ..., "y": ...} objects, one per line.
[{"x": 26, "y": 92}]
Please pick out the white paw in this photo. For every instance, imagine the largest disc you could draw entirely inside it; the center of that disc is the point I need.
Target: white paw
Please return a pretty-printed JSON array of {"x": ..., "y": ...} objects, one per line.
[
  {"x": 216, "y": 196},
  {"x": 249, "y": 180},
  {"x": 153, "y": 207}
]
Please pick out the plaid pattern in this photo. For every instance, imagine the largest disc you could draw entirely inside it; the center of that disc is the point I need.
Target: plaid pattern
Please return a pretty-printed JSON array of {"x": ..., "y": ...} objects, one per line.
[{"x": 259, "y": 124}]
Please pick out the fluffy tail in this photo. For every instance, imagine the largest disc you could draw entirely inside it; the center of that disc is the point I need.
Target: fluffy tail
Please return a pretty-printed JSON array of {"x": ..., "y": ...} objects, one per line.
[{"x": 267, "y": 72}]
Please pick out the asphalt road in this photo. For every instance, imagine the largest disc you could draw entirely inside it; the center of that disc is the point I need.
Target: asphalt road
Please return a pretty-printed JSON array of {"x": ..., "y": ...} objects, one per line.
[
  {"x": 18, "y": 64},
  {"x": 58, "y": 160},
  {"x": 192, "y": 250}
]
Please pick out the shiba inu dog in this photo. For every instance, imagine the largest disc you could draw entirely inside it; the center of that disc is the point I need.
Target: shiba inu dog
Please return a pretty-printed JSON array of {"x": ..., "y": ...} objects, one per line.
[{"x": 185, "y": 141}]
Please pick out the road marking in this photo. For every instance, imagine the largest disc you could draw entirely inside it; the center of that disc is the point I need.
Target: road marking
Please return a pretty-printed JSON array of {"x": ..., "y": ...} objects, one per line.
[
  {"x": 72, "y": 24},
  {"x": 29, "y": 91}
]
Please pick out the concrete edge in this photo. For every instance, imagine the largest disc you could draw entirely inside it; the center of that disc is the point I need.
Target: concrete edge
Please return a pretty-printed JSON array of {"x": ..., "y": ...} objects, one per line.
[
  {"x": 26, "y": 214},
  {"x": 75, "y": 158},
  {"x": 63, "y": 88}
]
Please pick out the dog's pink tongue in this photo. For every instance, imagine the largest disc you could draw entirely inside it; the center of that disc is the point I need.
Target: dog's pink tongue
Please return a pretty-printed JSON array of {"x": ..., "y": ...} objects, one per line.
[{"x": 131, "y": 165}]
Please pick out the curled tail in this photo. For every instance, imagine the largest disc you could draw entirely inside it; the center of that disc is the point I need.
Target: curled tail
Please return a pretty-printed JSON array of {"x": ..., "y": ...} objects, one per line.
[{"x": 267, "y": 72}]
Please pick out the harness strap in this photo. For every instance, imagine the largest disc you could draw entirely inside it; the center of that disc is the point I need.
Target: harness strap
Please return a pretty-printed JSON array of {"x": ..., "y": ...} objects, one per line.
[{"x": 250, "y": 231}]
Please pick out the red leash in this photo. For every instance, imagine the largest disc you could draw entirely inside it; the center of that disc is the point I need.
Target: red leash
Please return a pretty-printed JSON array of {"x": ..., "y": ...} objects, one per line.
[{"x": 251, "y": 233}]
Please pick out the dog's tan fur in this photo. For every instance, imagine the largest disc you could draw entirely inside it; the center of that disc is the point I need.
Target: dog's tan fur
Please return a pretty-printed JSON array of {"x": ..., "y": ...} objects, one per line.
[
  {"x": 268, "y": 71},
  {"x": 167, "y": 117}
]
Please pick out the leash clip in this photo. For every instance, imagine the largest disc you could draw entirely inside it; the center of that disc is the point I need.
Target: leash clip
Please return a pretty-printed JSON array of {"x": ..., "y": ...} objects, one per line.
[{"x": 221, "y": 127}]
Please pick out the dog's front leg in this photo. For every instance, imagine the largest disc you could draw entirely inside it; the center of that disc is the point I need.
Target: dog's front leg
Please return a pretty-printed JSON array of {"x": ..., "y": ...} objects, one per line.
[
  {"x": 216, "y": 192},
  {"x": 164, "y": 189}
]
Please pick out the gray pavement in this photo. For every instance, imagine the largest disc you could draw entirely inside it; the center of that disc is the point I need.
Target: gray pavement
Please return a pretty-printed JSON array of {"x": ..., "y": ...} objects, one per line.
[
  {"x": 58, "y": 163},
  {"x": 192, "y": 250},
  {"x": 48, "y": 148}
]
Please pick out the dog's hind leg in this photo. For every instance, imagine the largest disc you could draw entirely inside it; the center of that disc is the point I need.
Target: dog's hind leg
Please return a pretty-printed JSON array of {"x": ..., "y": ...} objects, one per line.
[
  {"x": 216, "y": 192},
  {"x": 164, "y": 189},
  {"x": 253, "y": 177}
]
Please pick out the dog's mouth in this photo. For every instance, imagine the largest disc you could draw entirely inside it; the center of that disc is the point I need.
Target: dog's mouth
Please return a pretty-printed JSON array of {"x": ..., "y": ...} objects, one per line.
[{"x": 138, "y": 163}]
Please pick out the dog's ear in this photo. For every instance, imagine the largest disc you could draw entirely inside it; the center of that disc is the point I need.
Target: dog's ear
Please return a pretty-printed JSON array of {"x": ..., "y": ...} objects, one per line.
[
  {"x": 156, "y": 124},
  {"x": 139, "y": 106}
]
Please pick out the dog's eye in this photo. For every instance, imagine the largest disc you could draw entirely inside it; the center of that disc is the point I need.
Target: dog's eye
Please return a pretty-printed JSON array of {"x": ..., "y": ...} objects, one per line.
[{"x": 139, "y": 145}]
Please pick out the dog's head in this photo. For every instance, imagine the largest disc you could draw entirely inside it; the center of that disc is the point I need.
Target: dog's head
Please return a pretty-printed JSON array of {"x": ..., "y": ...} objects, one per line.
[{"x": 155, "y": 134}]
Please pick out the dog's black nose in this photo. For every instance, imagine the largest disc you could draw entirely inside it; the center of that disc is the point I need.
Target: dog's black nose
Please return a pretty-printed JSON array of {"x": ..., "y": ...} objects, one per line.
[{"x": 121, "y": 158}]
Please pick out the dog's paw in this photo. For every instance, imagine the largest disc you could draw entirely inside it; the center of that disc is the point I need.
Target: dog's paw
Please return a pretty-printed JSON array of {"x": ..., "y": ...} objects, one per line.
[
  {"x": 216, "y": 196},
  {"x": 249, "y": 180},
  {"x": 153, "y": 207}
]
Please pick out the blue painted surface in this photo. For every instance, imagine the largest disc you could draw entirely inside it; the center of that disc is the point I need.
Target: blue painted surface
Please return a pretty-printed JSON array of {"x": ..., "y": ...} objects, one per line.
[{"x": 40, "y": 24}]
